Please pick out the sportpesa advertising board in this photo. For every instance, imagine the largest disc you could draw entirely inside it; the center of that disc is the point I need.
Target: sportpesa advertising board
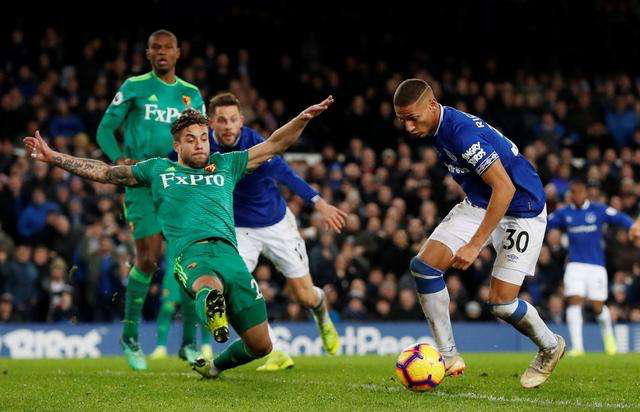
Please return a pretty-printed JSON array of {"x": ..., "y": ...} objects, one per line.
[{"x": 34, "y": 341}]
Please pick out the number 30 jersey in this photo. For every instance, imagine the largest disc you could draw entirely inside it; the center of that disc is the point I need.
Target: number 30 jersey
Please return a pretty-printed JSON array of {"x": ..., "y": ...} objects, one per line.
[{"x": 468, "y": 146}]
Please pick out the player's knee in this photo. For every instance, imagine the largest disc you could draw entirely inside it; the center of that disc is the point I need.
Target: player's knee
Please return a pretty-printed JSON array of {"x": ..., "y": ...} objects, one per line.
[
  {"x": 147, "y": 262},
  {"x": 574, "y": 300},
  {"x": 428, "y": 279},
  {"x": 597, "y": 307},
  {"x": 207, "y": 281}
]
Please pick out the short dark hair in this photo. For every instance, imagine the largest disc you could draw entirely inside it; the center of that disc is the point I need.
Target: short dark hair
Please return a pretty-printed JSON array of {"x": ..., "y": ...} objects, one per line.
[
  {"x": 578, "y": 181},
  {"x": 223, "y": 99},
  {"x": 187, "y": 118},
  {"x": 162, "y": 32},
  {"x": 409, "y": 91}
]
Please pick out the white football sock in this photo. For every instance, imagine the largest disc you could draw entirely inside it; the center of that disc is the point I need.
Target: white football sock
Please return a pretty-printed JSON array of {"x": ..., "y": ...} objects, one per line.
[
  {"x": 436, "y": 309},
  {"x": 434, "y": 299},
  {"x": 574, "y": 323},
  {"x": 525, "y": 318},
  {"x": 320, "y": 312},
  {"x": 604, "y": 320}
]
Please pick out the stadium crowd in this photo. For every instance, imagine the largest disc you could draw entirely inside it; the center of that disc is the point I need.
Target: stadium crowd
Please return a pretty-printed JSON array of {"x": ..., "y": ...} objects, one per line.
[{"x": 65, "y": 250}]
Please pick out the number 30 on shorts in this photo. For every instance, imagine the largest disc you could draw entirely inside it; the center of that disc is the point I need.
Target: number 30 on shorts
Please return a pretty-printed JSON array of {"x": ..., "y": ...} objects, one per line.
[
  {"x": 520, "y": 241},
  {"x": 254, "y": 285}
]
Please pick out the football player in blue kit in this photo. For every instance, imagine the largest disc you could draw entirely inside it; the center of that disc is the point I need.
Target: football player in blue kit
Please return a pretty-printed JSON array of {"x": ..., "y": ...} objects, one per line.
[
  {"x": 504, "y": 206},
  {"x": 585, "y": 276}
]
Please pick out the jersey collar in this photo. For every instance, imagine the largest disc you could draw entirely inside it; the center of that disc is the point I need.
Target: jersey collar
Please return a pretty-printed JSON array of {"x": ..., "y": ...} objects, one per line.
[
  {"x": 585, "y": 205},
  {"x": 162, "y": 81},
  {"x": 439, "y": 121}
]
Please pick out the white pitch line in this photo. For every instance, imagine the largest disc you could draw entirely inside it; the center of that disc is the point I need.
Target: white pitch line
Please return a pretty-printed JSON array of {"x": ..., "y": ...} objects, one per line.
[{"x": 461, "y": 395}]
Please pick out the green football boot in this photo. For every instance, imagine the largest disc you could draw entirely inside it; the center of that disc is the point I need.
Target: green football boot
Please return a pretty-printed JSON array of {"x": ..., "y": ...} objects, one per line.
[
  {"x": 189, "y": 353},
  {"x": 205, "y": 368},
  {"x": 133, "y": 354},
  {"x": 276, "y": 361}
]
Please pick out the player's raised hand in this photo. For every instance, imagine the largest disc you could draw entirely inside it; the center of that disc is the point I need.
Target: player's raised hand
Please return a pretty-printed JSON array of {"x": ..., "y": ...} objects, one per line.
[
  {"x": 465, "y": 256},
  {"x": 313, "y": 111},
  {"x": 334, "y": 218},
  {"x": 634, "y": 231},
  {"x": 37, "y": 148}
]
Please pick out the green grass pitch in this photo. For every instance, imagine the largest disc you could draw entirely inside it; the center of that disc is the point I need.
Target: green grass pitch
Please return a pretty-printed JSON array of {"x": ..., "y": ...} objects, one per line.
[{"x": 317, "y": 383}]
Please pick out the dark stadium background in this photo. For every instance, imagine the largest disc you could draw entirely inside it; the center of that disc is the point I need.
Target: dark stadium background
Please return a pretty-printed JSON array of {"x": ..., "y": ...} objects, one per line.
[{"x": 547, "y": 56}]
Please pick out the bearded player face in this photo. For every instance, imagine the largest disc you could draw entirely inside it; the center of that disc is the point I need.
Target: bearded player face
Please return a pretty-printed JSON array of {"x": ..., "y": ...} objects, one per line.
[
  {"x": 226, "y": 122},
  {"x": 193, "y": 146}
]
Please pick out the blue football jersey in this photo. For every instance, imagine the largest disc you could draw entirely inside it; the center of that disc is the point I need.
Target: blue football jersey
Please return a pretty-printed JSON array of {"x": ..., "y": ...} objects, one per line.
[
  {"x": 468, "y": 146},
  {"x": 584, "y": 228}
]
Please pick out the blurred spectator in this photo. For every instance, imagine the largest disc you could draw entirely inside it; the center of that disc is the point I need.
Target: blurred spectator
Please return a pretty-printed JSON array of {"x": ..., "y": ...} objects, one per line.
[
  {"x": 104, "y": 280},
  {"x": 7, "y": 313},
  {"x": 556, "y": 309},
  {"x": 621, "y": 121},
  {"x": 407, "y": 307},
  {"x": 21, "y": 281},
  {"x": 64, "y": 310},
  {"x": 33, "y": 220},
  {"x": 65, "y": 123},
  {"x": 355, "y": 310},
  {"x": 55, "y": 285}
]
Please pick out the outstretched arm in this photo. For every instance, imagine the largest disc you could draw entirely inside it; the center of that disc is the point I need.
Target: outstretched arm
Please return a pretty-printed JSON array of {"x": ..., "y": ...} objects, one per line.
[
  {"x": 285, "y": 136},
  {"x": 88, "y": 168},
  {"x": 502, "y": 191}
]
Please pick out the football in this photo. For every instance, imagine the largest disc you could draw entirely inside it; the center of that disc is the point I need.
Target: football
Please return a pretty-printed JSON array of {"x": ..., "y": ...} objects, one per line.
[{"x": 420, "y": 367}]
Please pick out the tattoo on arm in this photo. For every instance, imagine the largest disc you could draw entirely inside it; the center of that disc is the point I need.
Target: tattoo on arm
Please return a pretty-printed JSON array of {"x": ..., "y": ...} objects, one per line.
[
  {"x": 121, "y": 175},
  {"x": 95, "y": 170}
]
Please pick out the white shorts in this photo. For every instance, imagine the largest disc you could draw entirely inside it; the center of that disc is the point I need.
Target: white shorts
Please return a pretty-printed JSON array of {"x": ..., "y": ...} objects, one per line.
[
  {"x": 586, "y": 280},
  {"x": 517, "y": 241},
  {"x": 280, "y": 243}
]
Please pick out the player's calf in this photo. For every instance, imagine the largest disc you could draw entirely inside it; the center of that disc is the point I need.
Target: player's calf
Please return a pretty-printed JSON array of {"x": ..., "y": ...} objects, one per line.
[
  {"x": 259, "y": 348},
  {"x": 525, "y": 318},
  {"x": 313, "y": 298},
  {"x": 148, "y": 251},
  {"x": 255, "y": 343},
  {"x": 434, "y": 299}
]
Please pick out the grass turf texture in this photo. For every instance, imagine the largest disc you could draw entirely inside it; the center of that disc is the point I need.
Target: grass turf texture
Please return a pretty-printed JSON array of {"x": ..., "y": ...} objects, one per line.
[{"x": 317, "y": 383}]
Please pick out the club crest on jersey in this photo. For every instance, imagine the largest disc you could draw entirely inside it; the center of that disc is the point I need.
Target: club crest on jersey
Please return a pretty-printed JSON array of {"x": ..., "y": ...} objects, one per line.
[
  {"x": 210, "y": 168},
  {"x": 590, "y": 218},
  {"x": 186, "y": 100},
  {"x": 451, "y": 155}
]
